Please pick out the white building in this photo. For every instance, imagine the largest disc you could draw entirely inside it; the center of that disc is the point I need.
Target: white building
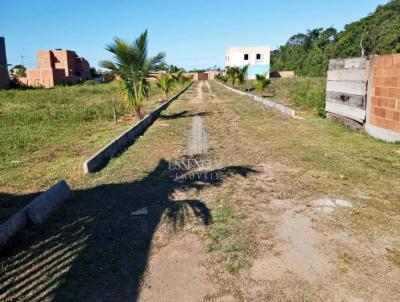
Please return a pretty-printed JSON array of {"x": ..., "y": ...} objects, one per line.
[{"x": 257, "y": 57}]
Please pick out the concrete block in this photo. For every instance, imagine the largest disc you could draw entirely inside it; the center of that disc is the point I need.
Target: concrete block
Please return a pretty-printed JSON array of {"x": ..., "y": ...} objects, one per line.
[
  {"x": 354, "y": 88},
  {"x": 346, "y": 121},
  {"x": 355, "y": 63},
  {"x": 354, "y": 113},
  {"x": 383, "y": 134},
  {"x": 14, "y": 224},
  {"x": 348, "y": 75},
  {"x": 45, "y": 204}
]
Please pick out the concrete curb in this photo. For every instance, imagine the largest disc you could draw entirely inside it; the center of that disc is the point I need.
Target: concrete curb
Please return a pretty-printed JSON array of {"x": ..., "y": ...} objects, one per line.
[
  {"x": 127, "y": 138},
  {"x": 45, "y": 204},
  {"x": 36, "y": 211},
  {"x": 283, "y": 109}
]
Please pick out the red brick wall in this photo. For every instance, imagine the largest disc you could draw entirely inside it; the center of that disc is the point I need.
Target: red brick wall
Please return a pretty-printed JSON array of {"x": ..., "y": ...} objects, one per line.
[
  {"x": 385, "y": 106},
  {"x": 58, "y": 67},
  {"x": 45, "y": 59},
  {"x": 40, "y": 77}
]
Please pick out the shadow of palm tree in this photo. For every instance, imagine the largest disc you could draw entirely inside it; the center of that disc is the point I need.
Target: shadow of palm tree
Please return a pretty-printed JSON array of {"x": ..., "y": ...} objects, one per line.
[
  {"x": 94, "y": 249},
  {"x": 182, "y": 114}
]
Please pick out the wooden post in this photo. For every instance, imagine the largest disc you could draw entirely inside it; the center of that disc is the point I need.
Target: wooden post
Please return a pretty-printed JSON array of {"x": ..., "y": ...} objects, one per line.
[{"x": 115, "y": 115}]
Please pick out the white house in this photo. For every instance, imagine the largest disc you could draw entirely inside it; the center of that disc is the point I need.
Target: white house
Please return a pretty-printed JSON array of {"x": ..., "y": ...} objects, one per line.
[{"x": 257, "y": 57}]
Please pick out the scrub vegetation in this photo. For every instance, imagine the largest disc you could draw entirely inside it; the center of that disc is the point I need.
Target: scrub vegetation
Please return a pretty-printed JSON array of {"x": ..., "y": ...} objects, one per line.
[
  {"x": 301, "y": 93},
  {"x": 308, "y": 53}
]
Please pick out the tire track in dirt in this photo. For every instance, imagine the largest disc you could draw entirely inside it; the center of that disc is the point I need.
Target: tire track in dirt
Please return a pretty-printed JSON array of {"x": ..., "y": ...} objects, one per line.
[{"x": 176, "y": 272}]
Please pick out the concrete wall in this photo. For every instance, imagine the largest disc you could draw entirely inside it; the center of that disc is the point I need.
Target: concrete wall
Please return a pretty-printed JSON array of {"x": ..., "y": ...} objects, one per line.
[
  {"x": 346, "y": 91},
  {"x": 4, "y": 78}
]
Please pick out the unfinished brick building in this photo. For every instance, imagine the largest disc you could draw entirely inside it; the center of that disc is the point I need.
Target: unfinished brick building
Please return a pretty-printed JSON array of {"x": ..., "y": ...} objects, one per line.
[
  {"x": 4, "y": 79},
  {"x": 58, "y": 67}
]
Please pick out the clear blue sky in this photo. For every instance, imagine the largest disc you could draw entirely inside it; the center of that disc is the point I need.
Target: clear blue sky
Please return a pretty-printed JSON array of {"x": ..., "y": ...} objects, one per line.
[{"x": 192, "y": 33}]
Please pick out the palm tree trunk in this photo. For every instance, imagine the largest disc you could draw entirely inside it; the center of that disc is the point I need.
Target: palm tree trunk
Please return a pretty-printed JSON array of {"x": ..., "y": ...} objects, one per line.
[{"x": 138, "y": 112}]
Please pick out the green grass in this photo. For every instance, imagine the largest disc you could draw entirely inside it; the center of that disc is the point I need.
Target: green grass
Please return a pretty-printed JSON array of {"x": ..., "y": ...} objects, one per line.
[
  {"x": 46, "y": 134},
  {"x": 302, "y": 93},
  {"x": 229, "y": 245}
]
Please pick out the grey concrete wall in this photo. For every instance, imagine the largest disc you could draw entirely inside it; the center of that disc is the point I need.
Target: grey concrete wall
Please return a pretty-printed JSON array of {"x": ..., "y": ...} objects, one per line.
[
  {"x": 4, "y": 80},
  {"x": 281, "y": 108},
  {"x": 35, "y": 212},
  {"x": 127, "y": 138},
  {"x": 3, "y": 57}
]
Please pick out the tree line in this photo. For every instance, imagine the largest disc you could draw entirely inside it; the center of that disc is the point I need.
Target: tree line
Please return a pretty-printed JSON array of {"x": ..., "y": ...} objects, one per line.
[{"x": 308, "y": 54}]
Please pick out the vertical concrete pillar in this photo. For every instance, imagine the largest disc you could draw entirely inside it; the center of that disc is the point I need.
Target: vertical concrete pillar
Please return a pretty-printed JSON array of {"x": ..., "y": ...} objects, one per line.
[{"x": 4, "y": 78}]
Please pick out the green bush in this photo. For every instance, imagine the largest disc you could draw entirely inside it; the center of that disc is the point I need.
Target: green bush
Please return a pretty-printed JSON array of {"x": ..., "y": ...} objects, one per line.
[{"x": 310, "y": 97}]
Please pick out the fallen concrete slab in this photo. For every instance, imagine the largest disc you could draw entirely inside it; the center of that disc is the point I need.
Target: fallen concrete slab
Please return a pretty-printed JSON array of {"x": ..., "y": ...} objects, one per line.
[
  {"x": 36, "y": 211},
  {"x": 127, "y": 138},
  {"x": 283, "y": 109},
  {"x": 14, "y": 224},
  {"x": 45, "y": 204}
]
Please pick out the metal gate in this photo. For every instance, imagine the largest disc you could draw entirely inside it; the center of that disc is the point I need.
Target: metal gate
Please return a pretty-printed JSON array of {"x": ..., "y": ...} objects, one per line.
[{"x": 203, "y": 76}]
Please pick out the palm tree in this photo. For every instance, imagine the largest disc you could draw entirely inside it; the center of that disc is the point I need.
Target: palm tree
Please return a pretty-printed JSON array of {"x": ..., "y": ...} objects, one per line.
[
  {"x": 165, "y": 83},
  {"x": 242, "y": 74},
  {"x": 261, "y": 83},
  {"x": 237, "y": 74},
  {"x": 132, "y": 65},
  {"x": 179, "y": 77},
  {"x": 231, "y": 74}
]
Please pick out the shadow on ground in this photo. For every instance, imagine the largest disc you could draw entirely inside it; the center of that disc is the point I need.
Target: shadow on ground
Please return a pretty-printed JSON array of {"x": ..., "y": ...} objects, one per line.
[
  {"x": 94, "y": 249},
  {"x": 182, "y": 114}
]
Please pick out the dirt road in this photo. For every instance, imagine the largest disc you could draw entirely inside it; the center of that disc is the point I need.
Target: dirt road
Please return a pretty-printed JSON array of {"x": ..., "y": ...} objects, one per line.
[{"x": 273, "y": 209}]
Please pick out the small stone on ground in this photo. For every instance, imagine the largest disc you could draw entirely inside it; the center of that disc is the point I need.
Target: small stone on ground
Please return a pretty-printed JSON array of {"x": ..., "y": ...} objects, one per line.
[{"x": 141, "y": 211}]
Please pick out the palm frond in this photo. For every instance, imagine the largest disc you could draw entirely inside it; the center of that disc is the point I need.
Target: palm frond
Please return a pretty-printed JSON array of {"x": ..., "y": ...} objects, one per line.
[{"x": 131, "y": 63}]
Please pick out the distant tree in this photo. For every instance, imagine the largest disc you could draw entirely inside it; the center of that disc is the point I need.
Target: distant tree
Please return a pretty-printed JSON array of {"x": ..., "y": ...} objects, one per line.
[
  {"x": 297, "y": 40},
  {"x": 173, "y": 68},
  {"x": 165, "y": 82},
  {"x": 18, "y": 70},
  {"x": 132, "y": 65},
  {"x": 308, "y": 54},
  {"x": 327, "y": 36},
  {"x": 95, "y": 73}
]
